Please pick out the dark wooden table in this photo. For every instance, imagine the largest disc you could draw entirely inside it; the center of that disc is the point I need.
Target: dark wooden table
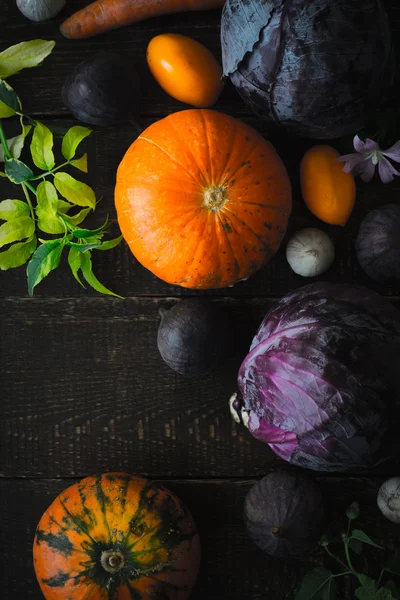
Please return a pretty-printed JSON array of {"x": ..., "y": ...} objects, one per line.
[{"x": 83, "y": 388}]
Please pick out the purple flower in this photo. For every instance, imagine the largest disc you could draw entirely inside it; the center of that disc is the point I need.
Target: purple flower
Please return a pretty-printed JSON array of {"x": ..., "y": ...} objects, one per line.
[{"x": 368, "y": 156}]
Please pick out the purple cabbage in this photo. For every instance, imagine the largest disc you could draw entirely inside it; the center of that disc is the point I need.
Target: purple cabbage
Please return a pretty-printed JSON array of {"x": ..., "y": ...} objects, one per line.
[
  {"x": 320, "y": 382},
  {"x": 319, "y": 68}
]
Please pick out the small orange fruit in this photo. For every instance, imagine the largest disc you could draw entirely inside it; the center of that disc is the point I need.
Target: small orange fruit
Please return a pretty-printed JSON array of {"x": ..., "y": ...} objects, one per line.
[
  {"x": 185, "y": 69},
  {"x": 328, "y": 191}
]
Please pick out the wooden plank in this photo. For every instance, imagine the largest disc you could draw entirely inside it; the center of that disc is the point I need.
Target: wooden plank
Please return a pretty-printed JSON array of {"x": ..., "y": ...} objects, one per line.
[
  {"x": 83, "y": 387},
  {"x": 232, "y": 567},
  {"x": 40, "y": 89},
  {"x": 120, "y": 271}
]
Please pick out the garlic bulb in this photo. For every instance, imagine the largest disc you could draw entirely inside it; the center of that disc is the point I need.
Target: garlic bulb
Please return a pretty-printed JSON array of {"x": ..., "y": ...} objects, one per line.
[
  {"x": 310, "y": 252},
  {"x": 389, "y": 499},
  {"x": 40, "y": 10}
]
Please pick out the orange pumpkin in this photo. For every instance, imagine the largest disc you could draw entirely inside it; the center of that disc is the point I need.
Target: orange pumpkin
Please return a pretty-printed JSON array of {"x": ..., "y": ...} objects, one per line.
[
  {"x": 116, "y": 537},
  {"x": 202, "y": 199}
]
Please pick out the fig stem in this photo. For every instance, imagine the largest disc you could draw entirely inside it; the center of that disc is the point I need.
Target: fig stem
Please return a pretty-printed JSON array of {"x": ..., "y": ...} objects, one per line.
[{"x": 276, "y": 530}]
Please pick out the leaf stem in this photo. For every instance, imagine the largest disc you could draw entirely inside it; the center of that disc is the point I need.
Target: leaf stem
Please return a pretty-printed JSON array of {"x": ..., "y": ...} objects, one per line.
[
  {"x": 342, "y": 564},
  {"x": 30, "y": 187},
  {"x": 346, "y": 549},
  {"x": 380, "y": 577},
  {"x": 3, "y": 140},
  {"x": 50, "y": 172},
  {"x": 28, "y": 199}
]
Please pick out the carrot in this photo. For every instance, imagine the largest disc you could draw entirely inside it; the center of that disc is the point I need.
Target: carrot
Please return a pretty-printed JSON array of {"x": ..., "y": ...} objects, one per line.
[{"x": 104, "y": 15}]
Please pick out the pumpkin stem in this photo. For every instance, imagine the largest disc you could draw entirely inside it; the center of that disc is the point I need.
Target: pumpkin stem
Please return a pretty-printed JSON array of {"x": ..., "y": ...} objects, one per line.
[
  {"x": 112, "y": 561},
  {"x": 215, "y": 197}
]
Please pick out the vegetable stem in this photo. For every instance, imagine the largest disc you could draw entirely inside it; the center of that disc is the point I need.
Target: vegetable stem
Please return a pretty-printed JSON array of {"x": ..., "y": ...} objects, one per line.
[{"x": 3, "y": 140}]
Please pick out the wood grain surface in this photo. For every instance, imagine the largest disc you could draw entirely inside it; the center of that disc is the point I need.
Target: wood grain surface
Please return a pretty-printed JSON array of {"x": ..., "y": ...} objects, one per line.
[
  {"x": 82, "y": 386},
  {"x": 232, "y": 567}
]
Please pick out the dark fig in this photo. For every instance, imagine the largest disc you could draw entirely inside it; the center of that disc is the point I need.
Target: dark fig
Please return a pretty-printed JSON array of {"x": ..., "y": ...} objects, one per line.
[
  {"x": 103, "y": 90},
  {"x": 378, "y": 243},
  {"x": 194, "y": 336},
  {"x": 284, "y": 514}
]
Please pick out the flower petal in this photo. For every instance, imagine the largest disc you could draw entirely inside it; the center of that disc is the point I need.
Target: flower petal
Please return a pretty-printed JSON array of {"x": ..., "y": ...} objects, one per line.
[
  {"x": 367, "y": 146},
  {"x": 351, "y": 161},
  {"x": 366, "y": 170},
  {"x": 386, "y": 170},
  {"x": 393, "y": 152}
]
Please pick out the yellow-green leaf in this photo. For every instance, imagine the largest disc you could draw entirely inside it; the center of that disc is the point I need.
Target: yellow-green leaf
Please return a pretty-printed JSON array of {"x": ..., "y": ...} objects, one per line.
[
  {"x": 15, "y": 145},
  {"x": 17, "y": 254},
  {"x": 63, "y": 207},
  {"x": 74, "y": 191},
  {"x": 46, "y": 196},
  {"x": 42, "y": 147},
  {"x": 75, "y": 263},
  {"x": 24, "y": 56},
  {"x": 80, "y": 163},
  {"x": 72, "y": 139},
  {"x": 79, "y": 217},
  {"x": 47, "y": 207},
  {"x": 12, "y": 209},
  {"x": 16, "y": 230}
]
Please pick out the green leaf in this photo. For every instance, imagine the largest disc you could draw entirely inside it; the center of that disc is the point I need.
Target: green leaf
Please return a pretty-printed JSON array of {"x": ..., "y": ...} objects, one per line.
[
  {"x": 369, "y": 590},
  {"x": 79, "y": 217},
  {"x": 313, "y": 584},
  {"x": 393, "y": 564},
  {"x": 46, "y": 258},
  {"x": 75, "y": 263},
  {"x": 74, "y": 191},
  {"x": 9, "y": 101},
  {"x": 110, "y": 244},
  {"x": 2, "y": 174},
  {"x": 353, "y": 511},
  {"x": 356, "y": 546},
  {"x": 87, "y": 272},
  {"x": 72, "y": 139},
  {"x": 392, "y": 586},
  {"x": 15, "y": 145},
  {"x": 81, "y": 163},
  {"x": 12, "y": 209},
  {"x": 17, "y": 254},
  {"x": 84, "y": 247},
  {"x": 329, "y": 591},
  {"x": 16, "y": 230},
  {"x": 24, "y": 56},
  {"x": 17, "y": 171},
  {"x": 357, "y": 534},
  {"x": 85, "y": 233},
  {"x": 42, "y": 147}
]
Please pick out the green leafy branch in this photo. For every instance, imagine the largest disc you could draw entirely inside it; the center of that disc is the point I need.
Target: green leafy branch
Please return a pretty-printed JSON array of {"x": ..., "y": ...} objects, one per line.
[
  {"x": 52, "y": 197},
  {"x": 321, "y": 583}
]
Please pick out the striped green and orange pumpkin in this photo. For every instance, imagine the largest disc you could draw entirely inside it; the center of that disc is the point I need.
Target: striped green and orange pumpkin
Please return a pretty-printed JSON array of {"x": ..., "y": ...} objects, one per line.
[{"x": 116, "y": 537}]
